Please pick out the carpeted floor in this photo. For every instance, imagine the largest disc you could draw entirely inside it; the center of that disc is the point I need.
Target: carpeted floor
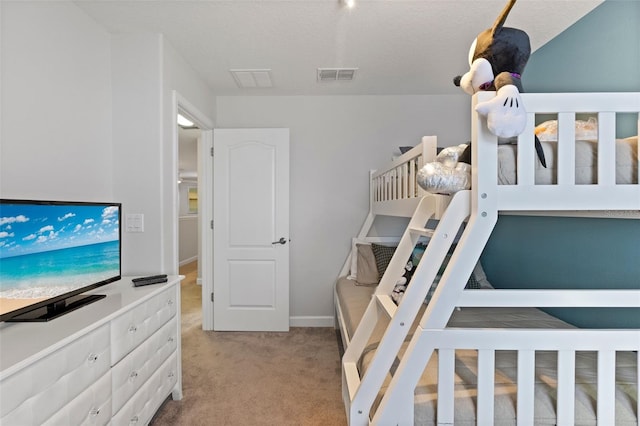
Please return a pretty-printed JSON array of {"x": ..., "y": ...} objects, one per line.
[{"x": 253, "y": 378}]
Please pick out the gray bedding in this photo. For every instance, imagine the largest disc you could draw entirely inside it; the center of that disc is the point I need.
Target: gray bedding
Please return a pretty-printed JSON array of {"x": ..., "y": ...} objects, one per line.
[
  {"x": 586, "y": 162},
  {"x": 353, "y": 300}
]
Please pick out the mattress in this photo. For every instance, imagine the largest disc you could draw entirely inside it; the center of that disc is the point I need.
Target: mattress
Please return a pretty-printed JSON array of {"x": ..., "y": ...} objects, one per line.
[
  {"x": 586, "y": 161},
  {"x": 353, "y": 300}
]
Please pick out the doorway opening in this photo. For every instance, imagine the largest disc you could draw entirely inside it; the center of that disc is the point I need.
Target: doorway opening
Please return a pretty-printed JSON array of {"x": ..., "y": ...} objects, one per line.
[
  {"x": 193, "y": 237},
  {"x": 189, "y": 136}
]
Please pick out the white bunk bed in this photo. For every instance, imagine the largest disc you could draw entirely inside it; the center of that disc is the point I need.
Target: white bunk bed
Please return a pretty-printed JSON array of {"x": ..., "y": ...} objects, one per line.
[{"x": 491, "y": 356}]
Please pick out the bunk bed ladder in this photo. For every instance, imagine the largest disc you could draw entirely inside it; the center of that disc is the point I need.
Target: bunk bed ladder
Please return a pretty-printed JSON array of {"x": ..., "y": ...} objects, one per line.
[
  {"x": 439, "y": 310},
  {"x": 359, "y": 393}
]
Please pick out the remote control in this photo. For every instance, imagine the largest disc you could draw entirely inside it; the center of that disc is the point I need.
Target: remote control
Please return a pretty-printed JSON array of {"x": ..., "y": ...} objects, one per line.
[
  {"x": 150, "y": 277},
  {"x": 140, "y": 283}
]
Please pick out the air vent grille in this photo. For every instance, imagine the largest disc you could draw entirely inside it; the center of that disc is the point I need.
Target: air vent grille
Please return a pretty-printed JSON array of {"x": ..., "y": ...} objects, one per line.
[
  {"x": 336, "y": 74},
  {"x": 250, "y": 78}
]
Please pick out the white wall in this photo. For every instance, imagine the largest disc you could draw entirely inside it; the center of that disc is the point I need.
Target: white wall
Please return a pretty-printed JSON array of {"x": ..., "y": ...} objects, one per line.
[
  {"x": 178, "y": 76},
  {"x": 137, "y": 144},
  {"x": 146, "y": 72},
  {"x": 335, "y": 141},
  {"x": 55, "y": 134},
  {"x": 188, "y": 229},
  {"x": 188, "y": 247},
  {"x": 89, "y": 116}
]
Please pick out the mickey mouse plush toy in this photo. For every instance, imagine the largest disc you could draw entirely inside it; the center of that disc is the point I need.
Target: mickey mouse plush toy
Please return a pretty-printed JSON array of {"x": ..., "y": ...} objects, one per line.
[{"x": 497, "y": 59}]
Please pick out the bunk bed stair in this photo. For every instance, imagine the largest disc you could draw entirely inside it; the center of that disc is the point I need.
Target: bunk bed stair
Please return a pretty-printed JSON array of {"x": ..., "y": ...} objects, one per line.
[{"x": 402, "y": 316}]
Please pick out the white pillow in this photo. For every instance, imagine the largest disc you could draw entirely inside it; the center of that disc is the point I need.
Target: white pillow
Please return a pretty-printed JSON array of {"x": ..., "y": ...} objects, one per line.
[{"x": 584, "y": 130}]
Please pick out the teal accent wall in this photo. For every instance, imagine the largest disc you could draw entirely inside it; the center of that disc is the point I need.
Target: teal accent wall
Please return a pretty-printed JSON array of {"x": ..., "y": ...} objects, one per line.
[
  {"x": 532, "y": 252},
  {"x": 599, "y": 53}
]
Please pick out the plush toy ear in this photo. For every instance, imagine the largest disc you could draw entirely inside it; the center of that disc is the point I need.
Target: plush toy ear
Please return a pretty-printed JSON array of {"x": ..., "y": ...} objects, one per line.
[
  {"x": 502, "y": 17},
  {"x": 485, "y": 42}
]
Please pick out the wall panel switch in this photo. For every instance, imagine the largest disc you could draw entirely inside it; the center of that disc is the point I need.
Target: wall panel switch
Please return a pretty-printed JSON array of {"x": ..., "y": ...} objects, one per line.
[{"x": 134, "y": 222}]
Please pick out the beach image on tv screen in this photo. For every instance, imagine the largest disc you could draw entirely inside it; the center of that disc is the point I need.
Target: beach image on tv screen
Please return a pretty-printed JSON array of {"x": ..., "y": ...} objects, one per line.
[{"x": 50, "y": 249}]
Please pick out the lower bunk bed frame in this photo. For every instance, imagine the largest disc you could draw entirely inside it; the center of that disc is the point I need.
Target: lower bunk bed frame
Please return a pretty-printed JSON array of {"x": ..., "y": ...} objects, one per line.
[{"x": 395, "y": 193}]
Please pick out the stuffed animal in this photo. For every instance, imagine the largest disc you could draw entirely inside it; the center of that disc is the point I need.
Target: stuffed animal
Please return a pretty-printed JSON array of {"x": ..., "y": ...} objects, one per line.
[
  {"x": 403, "y": 282},
  {"x": 409, "y": 269},
  {"x": 497, "y": 59},
  {"x": 448, "y": 174}
]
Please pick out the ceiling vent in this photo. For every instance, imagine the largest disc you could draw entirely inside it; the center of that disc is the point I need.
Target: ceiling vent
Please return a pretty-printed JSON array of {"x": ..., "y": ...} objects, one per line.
[
  {"x": 336, "y": 74},
  {"x": 252, "y": 78}
]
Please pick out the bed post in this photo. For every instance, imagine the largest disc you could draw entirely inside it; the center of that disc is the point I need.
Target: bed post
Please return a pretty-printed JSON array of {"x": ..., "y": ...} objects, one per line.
[
  {"x": 366, "y": 225},
  {"x": 429, "y": 149},
  {"x": 429, "y": 152},
  {"x": 368, "y": 222}
]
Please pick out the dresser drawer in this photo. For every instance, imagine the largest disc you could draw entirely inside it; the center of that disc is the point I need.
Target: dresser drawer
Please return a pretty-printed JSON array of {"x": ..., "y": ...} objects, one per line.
[
  {"x": 136, "y": 368},
  {"x": 141, "y": 407},
  {"x": 91, "y": 407},
  {"x": 137, "y": 324},
  {"x": 34, "y": 394}
]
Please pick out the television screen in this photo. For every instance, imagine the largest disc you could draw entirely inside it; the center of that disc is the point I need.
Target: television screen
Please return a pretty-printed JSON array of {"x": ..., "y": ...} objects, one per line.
[{"x": 51, "y": 252}]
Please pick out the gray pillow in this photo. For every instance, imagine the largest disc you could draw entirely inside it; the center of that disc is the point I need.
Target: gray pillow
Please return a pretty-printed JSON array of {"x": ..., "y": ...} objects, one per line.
[
  {"x": 383, "y": 255},
  {"x": 367, "y": 273},
  {"x": 477, "y": 280}
]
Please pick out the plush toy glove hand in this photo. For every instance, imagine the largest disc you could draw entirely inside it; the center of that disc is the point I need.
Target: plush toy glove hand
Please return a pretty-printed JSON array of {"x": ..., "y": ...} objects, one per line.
[{"x": 506, "y": 116}]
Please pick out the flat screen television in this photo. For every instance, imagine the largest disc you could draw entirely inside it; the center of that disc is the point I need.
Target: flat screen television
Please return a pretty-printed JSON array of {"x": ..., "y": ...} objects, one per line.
[{"x": 51, "y": 252}]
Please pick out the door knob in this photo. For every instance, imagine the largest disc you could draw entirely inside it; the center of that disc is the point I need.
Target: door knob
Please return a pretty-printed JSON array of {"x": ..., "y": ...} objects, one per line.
[{"x": 282, "y": 240}]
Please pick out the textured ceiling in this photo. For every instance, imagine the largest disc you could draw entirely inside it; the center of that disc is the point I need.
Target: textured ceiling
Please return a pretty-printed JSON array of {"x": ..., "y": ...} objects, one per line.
[{"x": 399, "y": 46}]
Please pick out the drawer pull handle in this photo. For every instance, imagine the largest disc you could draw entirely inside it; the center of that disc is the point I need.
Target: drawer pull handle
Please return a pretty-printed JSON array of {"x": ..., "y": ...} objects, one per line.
[
  {"x": 134, "y": 420},
  {"x": 133, "y": 376},
  {"x": 133, "y": 329},
  {"x": 92, "y": 358},
  {"x": 94, "y": 412}
]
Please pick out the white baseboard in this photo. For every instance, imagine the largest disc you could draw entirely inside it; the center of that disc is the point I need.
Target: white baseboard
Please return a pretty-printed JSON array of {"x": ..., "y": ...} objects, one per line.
[
  {"x": 309, "y": 321},
  {"x": 189, "y": 260}
]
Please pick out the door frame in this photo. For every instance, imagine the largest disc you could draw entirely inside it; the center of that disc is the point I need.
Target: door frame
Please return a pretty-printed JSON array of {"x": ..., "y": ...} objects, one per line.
[{"x": 205, "y": 198}]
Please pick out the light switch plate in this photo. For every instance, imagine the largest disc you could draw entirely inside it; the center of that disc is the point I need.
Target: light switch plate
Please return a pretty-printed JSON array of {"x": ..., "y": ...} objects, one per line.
[{"x": 134, "y": 222}]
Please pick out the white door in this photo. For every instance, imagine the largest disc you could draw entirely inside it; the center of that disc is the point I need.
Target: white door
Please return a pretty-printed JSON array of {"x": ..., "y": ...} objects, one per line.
[{"x": 251, "y": 229}]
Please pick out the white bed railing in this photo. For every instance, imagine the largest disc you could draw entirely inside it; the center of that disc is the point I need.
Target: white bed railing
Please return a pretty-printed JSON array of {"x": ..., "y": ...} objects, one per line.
[
  {"x": 526, "y": 342},
  {"x": 394, "y": 188},
  {"x": 565, "y": 195}
]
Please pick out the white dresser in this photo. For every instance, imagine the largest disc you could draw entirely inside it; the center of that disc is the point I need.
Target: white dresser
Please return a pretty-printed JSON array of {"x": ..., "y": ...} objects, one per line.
[{"x": 111, "y": 362}]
